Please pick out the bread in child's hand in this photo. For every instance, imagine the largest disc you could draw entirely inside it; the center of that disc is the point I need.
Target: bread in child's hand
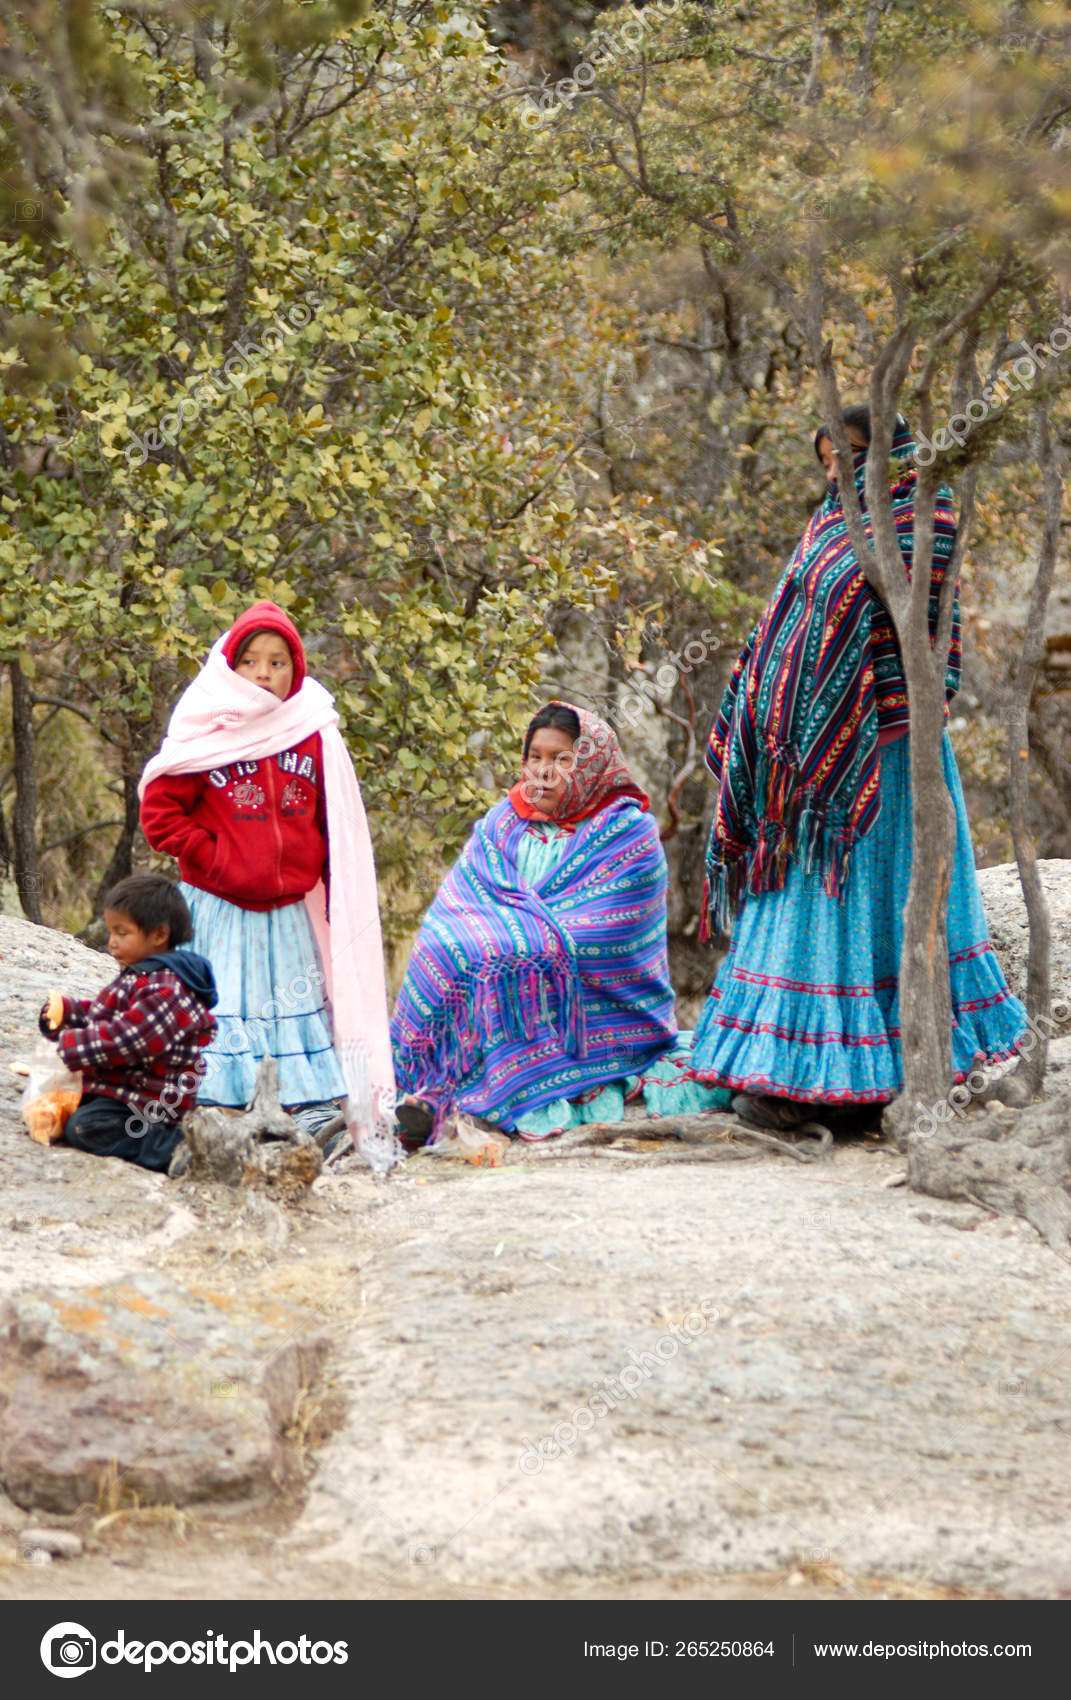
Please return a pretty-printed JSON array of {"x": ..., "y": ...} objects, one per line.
[{"x": 53, "y": 1010}]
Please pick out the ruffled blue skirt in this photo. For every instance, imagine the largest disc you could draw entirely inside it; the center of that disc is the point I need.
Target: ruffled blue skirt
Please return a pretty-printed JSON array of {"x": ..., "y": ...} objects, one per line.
[
  {"x": 806, "y": 1004},
  {"x": 271, "y": 1001}
]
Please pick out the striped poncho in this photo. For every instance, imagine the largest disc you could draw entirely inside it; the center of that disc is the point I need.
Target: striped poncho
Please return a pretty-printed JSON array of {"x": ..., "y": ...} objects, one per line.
[
  {"x": 518, "y": 995},
  {"x": 794, "y": 749}
]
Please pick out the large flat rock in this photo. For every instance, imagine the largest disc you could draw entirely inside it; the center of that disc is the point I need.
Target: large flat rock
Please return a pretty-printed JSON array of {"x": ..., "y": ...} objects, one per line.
[
  {"x": 1008, "y": 929},
  {"x": 873, "y": 1391},
  {"x": 174, "y": 1395}
]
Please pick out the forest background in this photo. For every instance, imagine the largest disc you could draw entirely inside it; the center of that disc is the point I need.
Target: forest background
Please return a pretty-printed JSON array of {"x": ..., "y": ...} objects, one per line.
[{"x": 429, "y": 322}]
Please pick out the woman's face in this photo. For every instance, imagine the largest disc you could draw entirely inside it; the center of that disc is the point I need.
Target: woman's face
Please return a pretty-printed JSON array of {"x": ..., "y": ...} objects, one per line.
[
  {"x": 547, "y": 767},
  {"x": 827, "y": 454}
]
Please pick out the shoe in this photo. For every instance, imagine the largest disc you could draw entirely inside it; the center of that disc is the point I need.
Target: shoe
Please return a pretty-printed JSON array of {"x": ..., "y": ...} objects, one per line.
[
  {"x": 180, "y": 1160},
  {"x": 776, "y": 1115},
  {"x": 314, "y": 1118},
  {"x": 334, "y": 1142},
  {"x": 415, "y": 1122}
]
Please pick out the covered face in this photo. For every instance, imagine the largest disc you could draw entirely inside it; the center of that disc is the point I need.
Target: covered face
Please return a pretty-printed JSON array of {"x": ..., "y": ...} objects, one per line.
[
  {"x": 265, "y": 647},
  {"x": 827, "y": 454}
]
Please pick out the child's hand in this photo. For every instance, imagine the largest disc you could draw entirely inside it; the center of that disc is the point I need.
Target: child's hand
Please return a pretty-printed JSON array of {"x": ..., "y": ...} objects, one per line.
[{"x": 53, "y": 1014}]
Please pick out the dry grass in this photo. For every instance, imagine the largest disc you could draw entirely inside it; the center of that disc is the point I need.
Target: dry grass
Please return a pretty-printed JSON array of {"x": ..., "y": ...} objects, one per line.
[
  {"x": 321, "y": 1287},
  {"x": 118, "y": 1503},
  {"x": 170, "y": 1517}
]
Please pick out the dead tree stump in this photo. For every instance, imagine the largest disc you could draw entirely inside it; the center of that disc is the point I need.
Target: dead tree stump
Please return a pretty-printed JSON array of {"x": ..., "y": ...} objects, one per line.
[
  {"x": 262, "y": 1146},
  {"x": 1012, "y": 1164}
]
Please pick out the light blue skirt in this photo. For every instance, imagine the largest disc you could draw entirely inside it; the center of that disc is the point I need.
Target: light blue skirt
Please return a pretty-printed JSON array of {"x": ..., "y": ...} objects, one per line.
[
  {"x": 806, "y": 1004},
  {"x": 271, "y": 1001}
]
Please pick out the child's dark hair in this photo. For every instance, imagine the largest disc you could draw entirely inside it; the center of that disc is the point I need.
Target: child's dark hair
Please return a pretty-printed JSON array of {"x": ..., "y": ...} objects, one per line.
[
  {"x": 261, "y": 631},
  {"x": 556, "y": 715},
  {"x": 152, "y": 901}
]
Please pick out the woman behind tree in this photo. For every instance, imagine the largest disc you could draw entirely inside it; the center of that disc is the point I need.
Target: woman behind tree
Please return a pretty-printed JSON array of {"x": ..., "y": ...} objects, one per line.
[
  {"x": 810, "y": 848},
  {"x": 538, "y": 990}
]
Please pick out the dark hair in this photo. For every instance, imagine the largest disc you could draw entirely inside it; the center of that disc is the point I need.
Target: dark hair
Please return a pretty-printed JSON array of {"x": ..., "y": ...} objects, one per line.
[
  {"x": 859, "y": 416},
  {"x": 261, "y": 631},
  {"x": 557, "y": 715},
  {"x": 152, "y": 901}
]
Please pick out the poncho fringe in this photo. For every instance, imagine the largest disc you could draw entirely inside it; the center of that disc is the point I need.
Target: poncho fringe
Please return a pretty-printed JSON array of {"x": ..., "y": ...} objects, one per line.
[{"x": 523, "y": 997}]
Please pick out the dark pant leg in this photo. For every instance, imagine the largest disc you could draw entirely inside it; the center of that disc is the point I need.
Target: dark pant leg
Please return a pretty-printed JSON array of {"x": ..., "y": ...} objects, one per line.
[{"x": 99, "y": 1125}]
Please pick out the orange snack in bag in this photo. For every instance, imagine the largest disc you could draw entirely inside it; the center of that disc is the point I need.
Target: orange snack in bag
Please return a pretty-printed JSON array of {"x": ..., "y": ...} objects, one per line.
[{"x": 47, "y": 1116}]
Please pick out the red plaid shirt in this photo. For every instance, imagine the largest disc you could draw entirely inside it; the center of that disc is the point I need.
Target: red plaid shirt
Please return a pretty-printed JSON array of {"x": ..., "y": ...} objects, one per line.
[{"x": 140, "y": 1040}]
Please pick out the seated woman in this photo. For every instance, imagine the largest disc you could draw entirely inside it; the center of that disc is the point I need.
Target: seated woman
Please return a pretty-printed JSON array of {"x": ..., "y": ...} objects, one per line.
[
  {"x": 810, "y": 849},
  {"x": 538, "y": 992}
]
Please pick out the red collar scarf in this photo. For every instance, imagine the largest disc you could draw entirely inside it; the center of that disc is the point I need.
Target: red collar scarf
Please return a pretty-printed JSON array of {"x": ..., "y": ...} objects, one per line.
[{"x": 599, "y": 774}]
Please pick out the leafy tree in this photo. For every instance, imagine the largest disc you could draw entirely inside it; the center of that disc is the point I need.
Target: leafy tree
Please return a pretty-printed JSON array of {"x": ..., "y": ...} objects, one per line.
[
  {"x": 925, "y": 147},
  {"x": 298, "y": 352}
]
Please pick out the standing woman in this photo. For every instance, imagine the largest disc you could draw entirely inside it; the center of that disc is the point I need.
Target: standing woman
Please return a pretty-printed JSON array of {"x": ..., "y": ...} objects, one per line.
[
  {"x": 810, "y": 848},
  {"x": 254, "y": 792}
]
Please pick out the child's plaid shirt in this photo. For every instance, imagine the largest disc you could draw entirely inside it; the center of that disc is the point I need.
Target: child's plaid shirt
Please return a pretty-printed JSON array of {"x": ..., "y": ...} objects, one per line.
[{"x": 140, "y": 1040}]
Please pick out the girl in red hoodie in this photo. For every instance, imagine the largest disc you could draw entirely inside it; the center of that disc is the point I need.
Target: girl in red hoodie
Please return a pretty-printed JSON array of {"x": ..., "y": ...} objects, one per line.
[{"x": 250, "y": 789}]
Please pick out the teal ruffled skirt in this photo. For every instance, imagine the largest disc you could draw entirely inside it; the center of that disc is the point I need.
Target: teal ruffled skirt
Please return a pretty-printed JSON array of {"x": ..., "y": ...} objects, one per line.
[{"x": 806, "y": 1004}]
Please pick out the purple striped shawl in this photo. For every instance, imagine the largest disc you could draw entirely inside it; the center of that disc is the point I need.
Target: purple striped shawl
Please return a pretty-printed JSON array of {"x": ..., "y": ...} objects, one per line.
[{"x": 517, "y": 995}]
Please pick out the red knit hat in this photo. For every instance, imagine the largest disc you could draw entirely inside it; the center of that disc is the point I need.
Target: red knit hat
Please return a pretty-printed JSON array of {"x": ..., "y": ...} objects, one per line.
[{"x": 267, "y": 617}]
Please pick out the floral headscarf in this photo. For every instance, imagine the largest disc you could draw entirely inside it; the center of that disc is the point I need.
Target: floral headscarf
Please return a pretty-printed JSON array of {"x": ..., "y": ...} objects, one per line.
[{"x": 600, "y": 773}]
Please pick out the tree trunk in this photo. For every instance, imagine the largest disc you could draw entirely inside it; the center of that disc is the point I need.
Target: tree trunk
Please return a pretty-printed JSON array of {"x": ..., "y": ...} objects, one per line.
[
  {"x": 24, "y": 819},
  {"x": 121, "y": 862},
  {"x": 1012, "y": 1164},
  {"x": 925, "y": 994},
  {"x": 1032, "y": 1064},
  {"x": 259, "y": 1147},
  {"x": 925, "y": 1001},
  {"x": 7, "y": 854}
]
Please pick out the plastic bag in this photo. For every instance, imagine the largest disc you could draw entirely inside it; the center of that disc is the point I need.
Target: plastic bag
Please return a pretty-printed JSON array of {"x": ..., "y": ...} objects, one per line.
[
  {"x": 462, "y": 1138},
  {"x": 50, "y": 1096}
]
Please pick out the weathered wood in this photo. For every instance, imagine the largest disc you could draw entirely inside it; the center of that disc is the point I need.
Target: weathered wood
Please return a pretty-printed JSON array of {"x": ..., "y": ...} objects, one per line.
[
  {"x": 262, "y": 1146},
  {"x": 708, "y": 1137},
  {"x": 720, "y": 1153},
  {"x": 1013, "y": 1164}
]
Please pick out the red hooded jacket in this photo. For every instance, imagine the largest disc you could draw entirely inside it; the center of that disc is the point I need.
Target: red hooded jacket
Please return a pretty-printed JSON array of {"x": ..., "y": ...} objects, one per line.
[{"x": 254, "y": 833}]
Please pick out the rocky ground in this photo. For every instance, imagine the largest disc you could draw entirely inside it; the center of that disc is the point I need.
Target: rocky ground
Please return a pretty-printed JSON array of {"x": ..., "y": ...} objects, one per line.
[{"x": 588, "y": 1374}]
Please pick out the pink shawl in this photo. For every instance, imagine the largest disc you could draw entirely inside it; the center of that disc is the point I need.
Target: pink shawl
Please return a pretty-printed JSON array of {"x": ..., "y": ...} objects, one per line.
[{"x": 221, "y": 718}]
